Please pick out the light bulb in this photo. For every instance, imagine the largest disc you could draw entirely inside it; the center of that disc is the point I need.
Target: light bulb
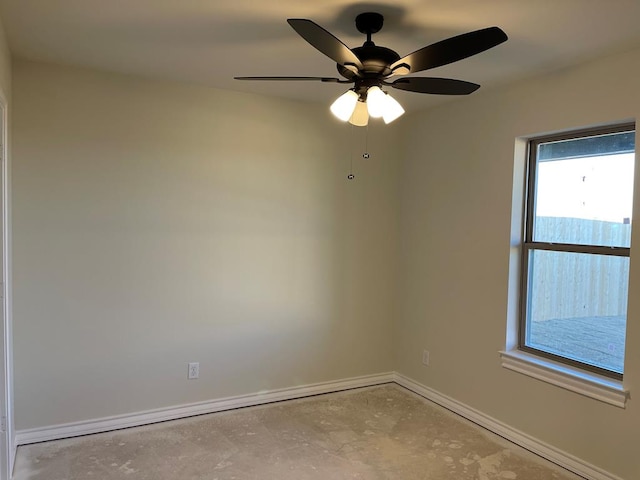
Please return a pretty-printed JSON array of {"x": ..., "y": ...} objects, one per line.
[
  {"x": 344, "y": 105},
  {"x": 376, "y": 101},
  {"x": 360, "y": 116},
  {"x": 392, "y": 109}
]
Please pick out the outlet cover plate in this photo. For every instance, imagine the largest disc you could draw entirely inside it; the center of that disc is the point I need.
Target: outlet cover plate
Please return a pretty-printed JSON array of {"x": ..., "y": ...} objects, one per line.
[{"x": 425, "y": 357}]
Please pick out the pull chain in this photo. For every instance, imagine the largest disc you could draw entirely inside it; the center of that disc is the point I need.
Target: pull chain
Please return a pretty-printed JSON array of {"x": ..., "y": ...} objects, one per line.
[
  {"x": 351, "y": 176},
  {"x": 366, "y": 155}
]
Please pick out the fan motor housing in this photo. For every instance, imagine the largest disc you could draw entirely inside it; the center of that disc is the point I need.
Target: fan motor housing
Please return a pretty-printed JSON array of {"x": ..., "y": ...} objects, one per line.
[{"x": 375, "y": 61}]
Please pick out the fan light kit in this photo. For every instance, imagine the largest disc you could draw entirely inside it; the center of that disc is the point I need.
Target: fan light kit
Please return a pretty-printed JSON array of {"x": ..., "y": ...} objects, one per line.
[
  {"x": 373, "y": 103},
  {"x": 370, "y": 66}
]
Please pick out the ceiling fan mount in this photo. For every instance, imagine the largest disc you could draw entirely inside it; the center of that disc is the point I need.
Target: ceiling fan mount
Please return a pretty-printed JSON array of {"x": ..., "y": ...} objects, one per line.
[{"x": 369, "y": 22}]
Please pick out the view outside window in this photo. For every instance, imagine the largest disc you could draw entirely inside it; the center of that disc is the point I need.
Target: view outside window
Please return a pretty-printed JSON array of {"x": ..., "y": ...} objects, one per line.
[{"x": 577, "y": 248}]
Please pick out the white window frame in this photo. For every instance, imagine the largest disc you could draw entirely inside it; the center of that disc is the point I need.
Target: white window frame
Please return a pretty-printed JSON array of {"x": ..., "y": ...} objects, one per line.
[{"x": 574, "y": 376}]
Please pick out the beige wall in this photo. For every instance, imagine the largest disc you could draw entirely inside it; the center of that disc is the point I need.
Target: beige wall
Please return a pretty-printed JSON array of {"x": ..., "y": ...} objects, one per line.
[
  {"x": 157, "y": 224},
  {"x": 5, "y": 64},
  {"x": 456, "y": 210}
]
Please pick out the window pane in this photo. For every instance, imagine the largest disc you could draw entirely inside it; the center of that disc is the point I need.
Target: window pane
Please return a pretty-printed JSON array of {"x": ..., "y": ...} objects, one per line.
[
  {"x": 585, "y": 198},
  {"x": 577, "y": 306}
]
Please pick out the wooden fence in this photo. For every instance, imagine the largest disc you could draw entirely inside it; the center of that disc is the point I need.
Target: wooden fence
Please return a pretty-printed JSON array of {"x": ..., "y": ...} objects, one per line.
[{"x": 573, "y": 285}]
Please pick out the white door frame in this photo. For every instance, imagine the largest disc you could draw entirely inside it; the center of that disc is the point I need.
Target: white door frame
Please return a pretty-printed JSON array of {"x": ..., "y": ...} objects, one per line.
[{"x": 7, "y": 436}]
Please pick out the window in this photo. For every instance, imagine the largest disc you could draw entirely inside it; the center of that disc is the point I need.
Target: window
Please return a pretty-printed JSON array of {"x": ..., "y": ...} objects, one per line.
[{"x": 575, "y": 254}]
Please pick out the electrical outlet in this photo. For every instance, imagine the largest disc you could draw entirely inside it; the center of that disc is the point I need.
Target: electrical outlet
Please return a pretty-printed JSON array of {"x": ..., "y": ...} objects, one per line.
[
  {"x": 425, "y": 357},
  {"x": 194, "y": 370}
]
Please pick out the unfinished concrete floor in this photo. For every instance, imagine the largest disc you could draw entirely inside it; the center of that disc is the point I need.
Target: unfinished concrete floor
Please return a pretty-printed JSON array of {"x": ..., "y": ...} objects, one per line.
[{"x": 383, "y": 432}]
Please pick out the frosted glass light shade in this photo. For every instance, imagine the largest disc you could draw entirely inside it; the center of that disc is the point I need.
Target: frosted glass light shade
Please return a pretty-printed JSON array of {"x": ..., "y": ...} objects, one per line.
[
  {"x": 360, "y": 117},
  {"x": 392, "y": 109},
  {"x": 376, "y": 102},
  {"x": 344, "y": 105}
]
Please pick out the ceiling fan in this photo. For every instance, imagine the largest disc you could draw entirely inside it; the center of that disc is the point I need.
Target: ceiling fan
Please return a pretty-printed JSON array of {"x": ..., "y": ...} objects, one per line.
[{"x": 370, "y": 67}]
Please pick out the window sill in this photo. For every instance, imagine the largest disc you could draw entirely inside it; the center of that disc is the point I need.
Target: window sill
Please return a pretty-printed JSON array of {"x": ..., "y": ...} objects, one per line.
[{"x": 585, "y": 383}]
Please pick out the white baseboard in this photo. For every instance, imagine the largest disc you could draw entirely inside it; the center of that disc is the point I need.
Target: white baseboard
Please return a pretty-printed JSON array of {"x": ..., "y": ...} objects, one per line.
[
  {"x": 549, "y": 452},
  {"x": 12, "y": 457},
  {"x": 75, "y": 429}
]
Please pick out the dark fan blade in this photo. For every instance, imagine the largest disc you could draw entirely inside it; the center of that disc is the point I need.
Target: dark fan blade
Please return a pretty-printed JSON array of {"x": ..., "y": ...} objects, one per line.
[
  {"x": 436, "y": 86},
  {"x": 453, "y": 49},
  {"x": 317, "y": 79},
  {"x": 319, "y": 38}
]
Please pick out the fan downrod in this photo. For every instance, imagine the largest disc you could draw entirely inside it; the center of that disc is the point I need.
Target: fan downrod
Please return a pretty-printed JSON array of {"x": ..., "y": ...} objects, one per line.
[
  {"x": 375, "y": 60},
  {"x": 369, "y": 23}
]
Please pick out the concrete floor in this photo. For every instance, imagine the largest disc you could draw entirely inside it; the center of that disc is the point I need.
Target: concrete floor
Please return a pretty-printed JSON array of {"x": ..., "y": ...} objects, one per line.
[{"x": 383, "y": 432}]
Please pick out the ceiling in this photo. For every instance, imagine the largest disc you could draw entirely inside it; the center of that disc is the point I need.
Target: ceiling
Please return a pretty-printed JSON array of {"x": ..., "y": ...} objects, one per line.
[{"x": 209, "y": 42}]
